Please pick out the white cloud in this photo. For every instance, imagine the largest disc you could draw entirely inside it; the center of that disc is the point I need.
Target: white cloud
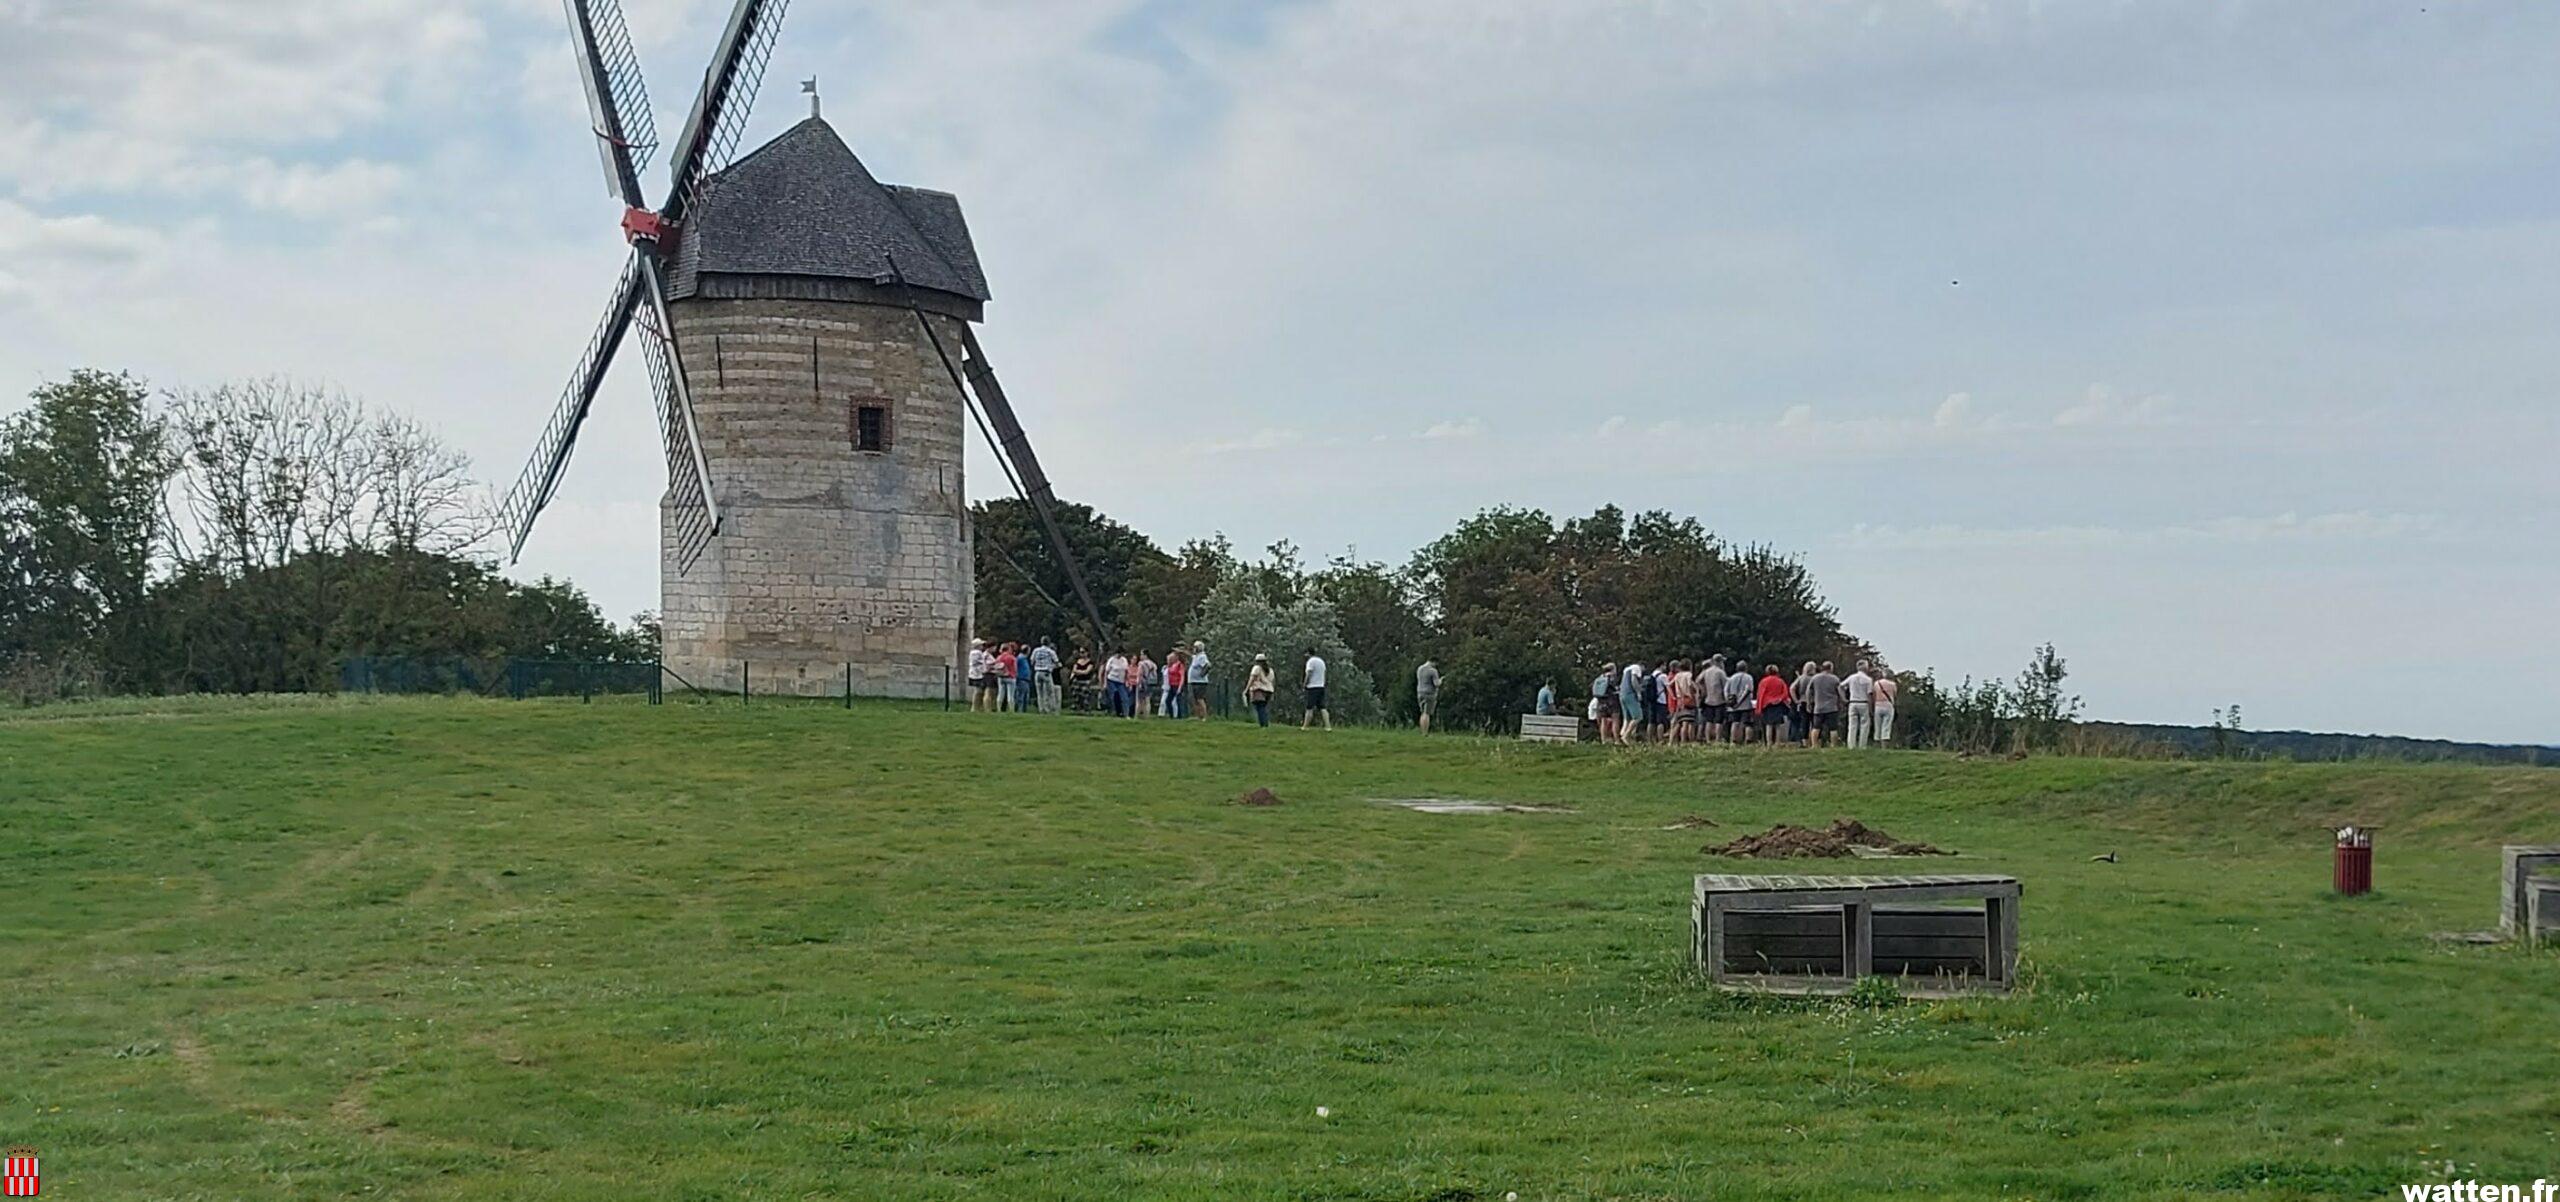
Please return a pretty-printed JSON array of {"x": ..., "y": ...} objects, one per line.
[
  {"x": 1462, "y": 428},
  {"x": 2345, "y": 527},
  {"x": 2104, "y": 406},
  {"x": 1953, "y": 412},
  {"x": 1611, "y": 427},
  {"x": 245, "y": 98},
  {"x": 350, "y": 188},
  {"x": 1267, "y": 438},
  {"x": 82, "y": 241}
]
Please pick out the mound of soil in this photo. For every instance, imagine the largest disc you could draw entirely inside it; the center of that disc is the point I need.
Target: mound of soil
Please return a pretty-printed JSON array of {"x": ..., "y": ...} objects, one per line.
[
  {"x": 1691, "y": 823},
  {"x": 1259, "y": 797},
  {"x": 1789, "y": 842}
]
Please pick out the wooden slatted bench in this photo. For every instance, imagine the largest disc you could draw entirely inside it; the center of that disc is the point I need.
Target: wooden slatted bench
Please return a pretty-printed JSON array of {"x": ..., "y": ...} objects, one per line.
[
  {"x": 1821, "y": 934},
  {"x": 1550, "y": 728},
  {"x": 2517, "y": 864}
]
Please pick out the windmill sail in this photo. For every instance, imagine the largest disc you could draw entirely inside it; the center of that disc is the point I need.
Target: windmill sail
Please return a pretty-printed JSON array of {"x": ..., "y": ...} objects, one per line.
[
  {"x": 1015, "y": 446},
  {"x": 697, "y": 516},
  {"x": 1011, "y": 445},
  {"x": 626, "y": 137},
  {"x": 728, "y": 93},
  {"x": 617, "y": 96},
  {"x": 541, "y": 475}
]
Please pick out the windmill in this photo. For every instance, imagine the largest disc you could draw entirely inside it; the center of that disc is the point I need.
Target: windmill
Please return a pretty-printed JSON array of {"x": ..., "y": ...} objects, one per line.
[{"x": 798, "y": 319}]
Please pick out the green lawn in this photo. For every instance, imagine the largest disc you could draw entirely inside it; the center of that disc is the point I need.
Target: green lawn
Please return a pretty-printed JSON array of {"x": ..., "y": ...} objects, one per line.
[{"x": 448, "y": 949}]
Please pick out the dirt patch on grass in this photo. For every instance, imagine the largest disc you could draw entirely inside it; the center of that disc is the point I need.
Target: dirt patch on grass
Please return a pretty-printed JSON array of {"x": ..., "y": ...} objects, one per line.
[
  {"x": 1461, "y": 805},
  {"x": 1691, "y": 823},
  {"x": 1258, "y": 797},
  {"x": 1838, "y": 841}
]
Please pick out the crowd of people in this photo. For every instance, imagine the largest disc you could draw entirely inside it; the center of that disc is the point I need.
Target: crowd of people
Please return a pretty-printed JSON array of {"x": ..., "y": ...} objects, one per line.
[
  {"x": 1131, "y": 683},
  {"x": 1707, "y": 702},
  {"x": 1674, "y": 702}
]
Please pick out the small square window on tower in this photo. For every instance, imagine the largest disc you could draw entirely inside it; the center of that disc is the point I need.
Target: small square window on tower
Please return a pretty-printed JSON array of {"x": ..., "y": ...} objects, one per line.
[{"x": 871, "y": 427}]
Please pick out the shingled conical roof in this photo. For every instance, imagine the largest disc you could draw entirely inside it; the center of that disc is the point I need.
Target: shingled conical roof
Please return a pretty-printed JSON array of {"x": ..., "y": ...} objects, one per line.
[{"x": 804, "y": 207}]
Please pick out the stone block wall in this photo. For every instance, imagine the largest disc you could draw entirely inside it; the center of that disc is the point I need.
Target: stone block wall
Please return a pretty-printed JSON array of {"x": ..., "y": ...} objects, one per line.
[{"x": 827, "y": 556}]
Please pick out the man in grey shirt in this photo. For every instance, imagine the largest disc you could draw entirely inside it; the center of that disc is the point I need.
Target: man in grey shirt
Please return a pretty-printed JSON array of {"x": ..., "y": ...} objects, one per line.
[
  {"x": 1426, "y": 691},
  {"x": 1711, "y": 700},
  {"x": 1824, "y": 692},
  {"x": 1044, "y": 676},
  {"x": 1741, "y": 692}
]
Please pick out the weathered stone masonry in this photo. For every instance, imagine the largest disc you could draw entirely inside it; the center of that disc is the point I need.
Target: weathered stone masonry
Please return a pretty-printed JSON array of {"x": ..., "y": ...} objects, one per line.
[{"x": 827, "y": 556}]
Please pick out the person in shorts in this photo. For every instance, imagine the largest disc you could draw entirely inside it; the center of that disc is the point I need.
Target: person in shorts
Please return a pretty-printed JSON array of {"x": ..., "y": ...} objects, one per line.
[
  {"x": 1774, "y": 700},
  {"x": 1741, "y": 689},
  {"x": 1426, "y": 691},
  {"x": 1198, "y": 680},
  {"x": 982, "y": 664},
  {"x": 1604, "y": 702},
  {"x": 1711, "y": 711},
  {"x": 1631, "y": 711},
  {"x": 1315, "y": 692},
  {"x": 1823, "y": 693}
]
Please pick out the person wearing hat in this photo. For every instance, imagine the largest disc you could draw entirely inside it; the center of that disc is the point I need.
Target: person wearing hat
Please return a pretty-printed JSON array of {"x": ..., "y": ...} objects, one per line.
[
  {"x": 1258, "y": 687},
  {"x": 1198, "y": 679},
  {"x": 980, "y": 663}
]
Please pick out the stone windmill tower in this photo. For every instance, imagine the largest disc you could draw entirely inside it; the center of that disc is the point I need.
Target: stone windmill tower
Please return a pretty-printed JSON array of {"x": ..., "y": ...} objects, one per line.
[{"x": 800, "y": 320}]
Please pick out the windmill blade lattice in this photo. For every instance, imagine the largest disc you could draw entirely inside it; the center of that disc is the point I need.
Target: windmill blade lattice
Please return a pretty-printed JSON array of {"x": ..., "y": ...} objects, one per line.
[
  {"x": 617, "y": 95},
  {"x": 728, "y": 95},
  {"x": 688, "y": 485},
  {"x": 541, "y": 475}
]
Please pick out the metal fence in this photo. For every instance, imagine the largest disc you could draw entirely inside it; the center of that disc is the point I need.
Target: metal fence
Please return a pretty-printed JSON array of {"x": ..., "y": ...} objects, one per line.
[{"x": 514, "y": 677}]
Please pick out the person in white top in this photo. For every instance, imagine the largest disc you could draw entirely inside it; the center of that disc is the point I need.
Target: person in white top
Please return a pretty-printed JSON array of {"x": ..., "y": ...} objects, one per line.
[
  {"x": 1115, "y": 684},
  {"x": 1886, "y": 687},
  {"x": 1860, "y": 689},
  {"x": 1315, "y": 692},
  {"x": 981, "y": 662}
]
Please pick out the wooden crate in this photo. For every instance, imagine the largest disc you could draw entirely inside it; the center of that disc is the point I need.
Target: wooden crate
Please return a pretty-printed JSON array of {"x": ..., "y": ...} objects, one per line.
[
  {"x": 2517, "y": 863},
  {"x": 1550, "y": 728},
  {"x": 2542, "y": 909},
  {"x": 1933, "y": 936}
]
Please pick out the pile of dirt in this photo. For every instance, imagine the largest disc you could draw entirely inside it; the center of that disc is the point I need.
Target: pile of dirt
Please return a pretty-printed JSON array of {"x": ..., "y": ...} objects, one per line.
[
  {"x": 1789, "y": 842},
  {"x": 1259, "y": 797},
  {"x": 1691, "y": 823}
]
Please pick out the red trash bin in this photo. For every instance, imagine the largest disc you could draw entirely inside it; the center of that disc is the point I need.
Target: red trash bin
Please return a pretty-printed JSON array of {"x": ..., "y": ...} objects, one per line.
[{"x": 2352, "y": 871}]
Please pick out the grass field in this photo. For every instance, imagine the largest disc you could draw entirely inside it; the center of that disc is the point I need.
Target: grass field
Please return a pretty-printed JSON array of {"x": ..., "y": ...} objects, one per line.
[{"x": 448, "y": 949}]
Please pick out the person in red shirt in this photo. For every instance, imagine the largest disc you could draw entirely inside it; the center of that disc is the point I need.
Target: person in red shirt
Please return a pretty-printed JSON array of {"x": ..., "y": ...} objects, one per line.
[
  {"x": 1004, "y": 678},
  {"x": 1771, "y": 705},
  {"x": 1177, "y": 669}
]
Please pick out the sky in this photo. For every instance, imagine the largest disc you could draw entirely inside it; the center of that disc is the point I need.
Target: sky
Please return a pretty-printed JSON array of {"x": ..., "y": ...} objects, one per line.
[{"x": 2211, "y": 340}]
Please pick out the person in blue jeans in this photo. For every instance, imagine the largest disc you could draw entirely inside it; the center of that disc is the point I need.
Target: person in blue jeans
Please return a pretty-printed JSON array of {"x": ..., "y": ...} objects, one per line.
[{"x": 1022, "y": 682}]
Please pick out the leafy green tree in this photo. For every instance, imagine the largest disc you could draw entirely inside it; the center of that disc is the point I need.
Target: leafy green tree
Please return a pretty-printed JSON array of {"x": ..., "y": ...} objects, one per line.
[
  {"x": 1165, "y": 591},
  {"x": 1023, "y": 594},
  {"x": 1238, "y": 621},
  {"x": 1380, "y": 624},
  {"x": 1519, "y": 599},
  {"x": 2042, "y": 708},
  {"x": 81, "y": 477}
]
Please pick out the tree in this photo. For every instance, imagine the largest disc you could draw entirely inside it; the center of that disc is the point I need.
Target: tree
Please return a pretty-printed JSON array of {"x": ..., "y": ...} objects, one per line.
[
  {"x": 2041, "y": 706},
  {"x": 271, "y": 469},
  {"x": 1519, "y": 600},
  {"x": 81, "y": 475},
  {"x": 1165, "y": 591},
  {"x": 1023, "y": 594},
  {"x": 1238, "y": 621},
  {"x": 1380, "y": 623}
]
